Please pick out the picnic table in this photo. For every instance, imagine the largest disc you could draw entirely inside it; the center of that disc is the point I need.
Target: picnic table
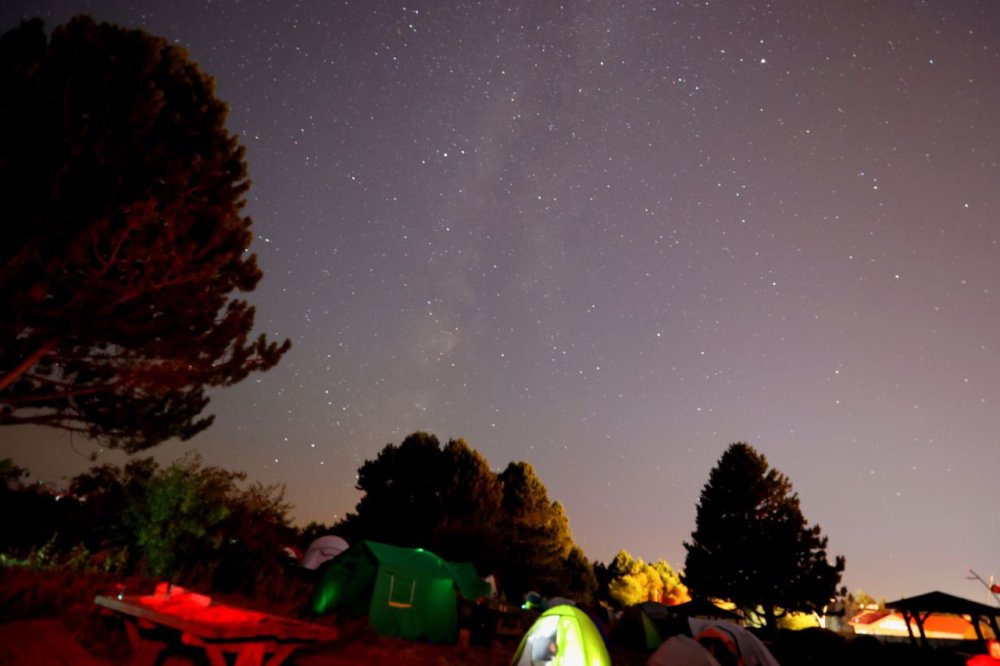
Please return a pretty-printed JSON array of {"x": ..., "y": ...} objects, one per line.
[{"x": 257, "y": 639}]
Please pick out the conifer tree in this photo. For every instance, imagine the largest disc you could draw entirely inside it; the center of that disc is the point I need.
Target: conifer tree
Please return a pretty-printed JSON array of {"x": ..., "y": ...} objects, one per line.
[
  {"x": 752, "y": 545},
  {"x": 537, "y": 534},
  {"x": 123, "y": 237},
  {"x": 418, "y": 494}
]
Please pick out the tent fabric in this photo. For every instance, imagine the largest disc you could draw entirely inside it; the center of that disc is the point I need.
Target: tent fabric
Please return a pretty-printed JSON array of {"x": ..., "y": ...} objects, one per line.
[
  {"x": 562, "y": 636},
  {"x": 705, "y": 609},
  {"x": 559, "y": 601},
  {"x": 722, "y": 645},
  {"x": 636, "y": 630},
  {"x": 681, "y": 651},
  {"x": 323, "y": 549},
  {"x": 405, "y": 592},
  {"x": 750, "y": 650},
  {"x": 470, "y": 584},
  {"x": 667, "y": 620},
  {"x": 655, "y": 610}
]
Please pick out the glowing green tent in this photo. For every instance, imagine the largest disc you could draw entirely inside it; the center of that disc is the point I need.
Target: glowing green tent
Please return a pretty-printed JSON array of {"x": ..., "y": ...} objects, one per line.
[
  {"x": 406, "y": 592},
  {"x": 562, "y": 636}
]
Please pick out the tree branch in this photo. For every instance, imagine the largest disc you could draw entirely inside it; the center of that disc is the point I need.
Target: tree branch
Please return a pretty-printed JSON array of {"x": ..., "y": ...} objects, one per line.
[
  {"x": 69, "y": 393},
  {"x": 54, "y": 419},
  {"x": 15, "y": 373}
]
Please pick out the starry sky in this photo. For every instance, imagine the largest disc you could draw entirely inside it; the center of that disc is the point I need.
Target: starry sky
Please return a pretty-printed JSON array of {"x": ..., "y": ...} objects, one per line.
[{"x": 611, "y": 238}]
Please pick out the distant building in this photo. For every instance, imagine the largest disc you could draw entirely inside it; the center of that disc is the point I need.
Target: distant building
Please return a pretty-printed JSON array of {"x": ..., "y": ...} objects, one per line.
[{"x": 889, "y": 623}]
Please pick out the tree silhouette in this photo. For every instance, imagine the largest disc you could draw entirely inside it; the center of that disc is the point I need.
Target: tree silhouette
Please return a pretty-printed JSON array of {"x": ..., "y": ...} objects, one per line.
[
  {"x": 752, "y": 545},
  {"x": 187, "y": 520},
  {"x": 580, "y": 579},
  {"x": 537, "y": 535},
  {"x": 123, "y": 237},
  {"x": 420, "y": 495}
]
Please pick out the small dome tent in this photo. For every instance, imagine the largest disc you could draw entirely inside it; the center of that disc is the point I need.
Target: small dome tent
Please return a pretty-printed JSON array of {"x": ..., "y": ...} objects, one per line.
[
  {"x": 749, "y": 649},
  {"x": 636, "y": 630},
  {"x": 323, "y": 549},
  {"x": 667, "y": 620},
  {"x": 562, "y": 636}
]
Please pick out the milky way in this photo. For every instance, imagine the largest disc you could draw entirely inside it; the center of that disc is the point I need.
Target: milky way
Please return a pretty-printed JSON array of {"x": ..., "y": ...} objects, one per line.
[{"x": 610, "y": 239}]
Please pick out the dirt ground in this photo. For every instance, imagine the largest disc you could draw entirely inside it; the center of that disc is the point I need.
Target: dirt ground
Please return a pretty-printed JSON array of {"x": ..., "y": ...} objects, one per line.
[
  {"x": 56, "y": 642},
  {"x": 47, "y": 619},
  {"x": 96, "y": 641}
]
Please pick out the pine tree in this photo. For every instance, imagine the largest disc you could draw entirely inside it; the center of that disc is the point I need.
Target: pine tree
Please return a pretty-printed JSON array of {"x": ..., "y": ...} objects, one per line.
[
  {"x": 123, "y": 237},
  {"x": 418, "y": 494},
  {"x": 752, "y": 545},
  {"x": 537, "y": 534}
]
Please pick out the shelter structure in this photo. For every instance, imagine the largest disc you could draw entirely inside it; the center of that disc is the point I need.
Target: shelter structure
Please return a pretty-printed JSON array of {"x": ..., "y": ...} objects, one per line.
[
  {"x": 891, "y": 623},
  {"x": 405, "y": 592},
  {"x": 916, "y": 610}
]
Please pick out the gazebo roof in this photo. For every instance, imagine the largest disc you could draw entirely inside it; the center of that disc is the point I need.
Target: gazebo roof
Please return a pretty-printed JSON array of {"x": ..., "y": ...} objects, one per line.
[{"x": 939, "y": 602}]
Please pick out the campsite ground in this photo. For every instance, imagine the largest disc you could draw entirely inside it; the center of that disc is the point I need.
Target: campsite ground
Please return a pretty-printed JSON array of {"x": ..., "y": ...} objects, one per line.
[{"x": 48, "y": 617}]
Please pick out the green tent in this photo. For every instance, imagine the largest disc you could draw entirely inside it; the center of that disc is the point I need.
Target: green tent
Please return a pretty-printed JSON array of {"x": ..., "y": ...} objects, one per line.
[
  {"x": 635, "y": 630},
  {"x": 405, "y": 592},
  {"x": 562, "y": 636}
]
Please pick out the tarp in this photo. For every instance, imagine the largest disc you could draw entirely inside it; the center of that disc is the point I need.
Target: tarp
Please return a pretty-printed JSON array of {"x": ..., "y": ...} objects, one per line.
[
  {"x": 323, "y": 549},
  {"x": 562, "y": 636},
  {"x": 750, "y": 651},
  {"x": 681, "y": 651},
  {"x": 405, "y": 592}
]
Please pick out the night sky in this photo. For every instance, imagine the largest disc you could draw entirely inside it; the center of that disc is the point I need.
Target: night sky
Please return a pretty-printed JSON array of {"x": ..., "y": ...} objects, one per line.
[{"x": 610, "y": 239}]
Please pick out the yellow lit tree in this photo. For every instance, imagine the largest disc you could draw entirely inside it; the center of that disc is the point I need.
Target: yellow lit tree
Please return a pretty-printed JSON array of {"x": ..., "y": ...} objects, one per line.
[{"x": 633, "y": 581}]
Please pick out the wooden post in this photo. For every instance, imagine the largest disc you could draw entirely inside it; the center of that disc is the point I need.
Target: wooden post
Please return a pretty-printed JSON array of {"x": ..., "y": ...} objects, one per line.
[
  {"x": 920, "y": 626},
  {"x": 909, "y": 627}
]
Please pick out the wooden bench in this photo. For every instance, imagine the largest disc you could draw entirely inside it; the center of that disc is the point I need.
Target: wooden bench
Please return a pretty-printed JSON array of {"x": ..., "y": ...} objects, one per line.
[{"x": 256, "y": 639}]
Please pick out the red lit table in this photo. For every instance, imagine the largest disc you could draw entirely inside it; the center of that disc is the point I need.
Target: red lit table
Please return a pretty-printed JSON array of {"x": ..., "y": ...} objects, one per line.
[{"x": 255, "y": 638}]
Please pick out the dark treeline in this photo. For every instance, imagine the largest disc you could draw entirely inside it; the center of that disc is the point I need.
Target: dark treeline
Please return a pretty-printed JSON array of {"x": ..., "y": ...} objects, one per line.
[{"x": 206, "y": 526}]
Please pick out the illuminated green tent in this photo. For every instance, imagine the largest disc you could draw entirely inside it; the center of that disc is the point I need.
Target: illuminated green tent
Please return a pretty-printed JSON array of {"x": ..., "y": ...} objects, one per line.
[
  {"x": 562, "y": 636},
  {"x": 405, "y": 592}
]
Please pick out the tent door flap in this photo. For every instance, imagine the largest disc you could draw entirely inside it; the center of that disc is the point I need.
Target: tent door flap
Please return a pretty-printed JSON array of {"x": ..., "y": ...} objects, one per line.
[{"x": 399, "y": 602}]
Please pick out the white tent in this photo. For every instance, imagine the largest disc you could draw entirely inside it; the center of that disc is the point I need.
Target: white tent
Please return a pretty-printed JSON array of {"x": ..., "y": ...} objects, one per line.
[
  {"x": 681, "y": 651},
  {"x": 751, "y": 650},
  {"x": 323, "y": 549}
]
